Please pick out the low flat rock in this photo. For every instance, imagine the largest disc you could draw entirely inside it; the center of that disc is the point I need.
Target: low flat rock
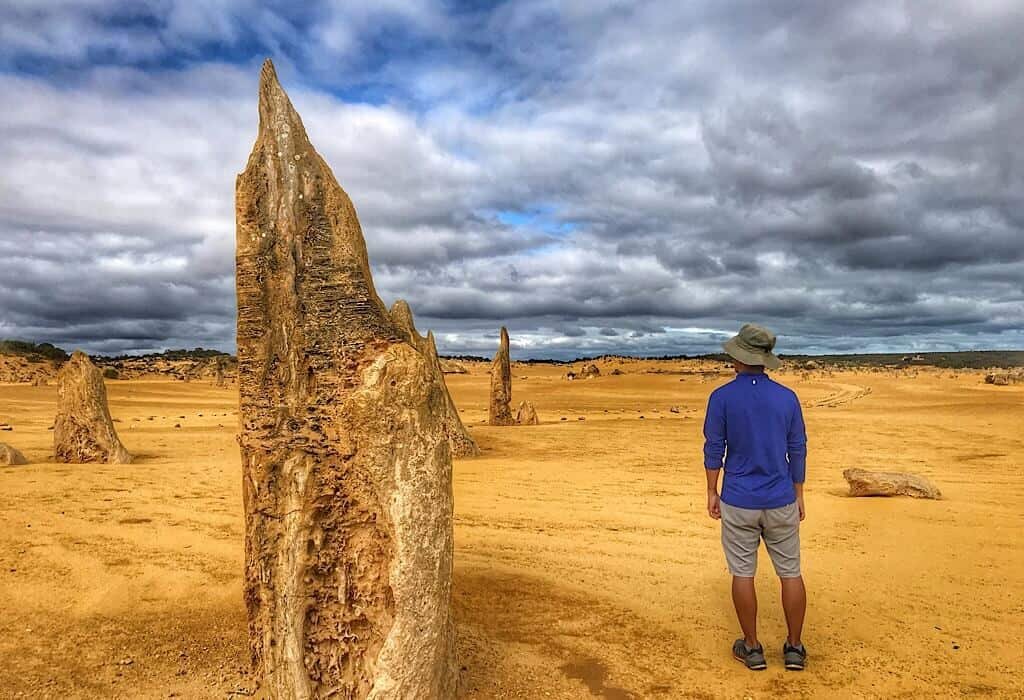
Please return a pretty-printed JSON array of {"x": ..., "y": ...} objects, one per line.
[
  {"x": 1004, "y": 378},
  {"x": 865, "y": 483}
]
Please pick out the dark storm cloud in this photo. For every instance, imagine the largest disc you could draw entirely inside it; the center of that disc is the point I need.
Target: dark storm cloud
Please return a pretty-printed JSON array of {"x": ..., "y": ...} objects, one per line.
[{"x": 602, "y": 177}]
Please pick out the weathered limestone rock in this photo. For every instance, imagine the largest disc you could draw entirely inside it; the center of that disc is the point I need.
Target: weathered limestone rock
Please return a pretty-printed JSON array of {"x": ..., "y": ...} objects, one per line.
[
  {"x": 83, "y": 430},
  {"x": 500, "y": 410},
  {"x": 452, "y": 367},
  {"x": 1004, "y": 378},
  {"x": 10, "y": 456},
  {"x": 865, "y": 483},
  {"x": 218, "y": 374},
  {"x": 459, "y": 439},
  {"x": 589, "y": 371},
  {"x": 346, "y": 465},
  {"x": 527, "y": 414}
]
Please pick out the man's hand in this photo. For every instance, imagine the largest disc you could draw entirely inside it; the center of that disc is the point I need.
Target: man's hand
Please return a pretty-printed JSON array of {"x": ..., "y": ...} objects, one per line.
[
  {"x": 800, "y": 505},
  {"x": 715, "y": 508}
]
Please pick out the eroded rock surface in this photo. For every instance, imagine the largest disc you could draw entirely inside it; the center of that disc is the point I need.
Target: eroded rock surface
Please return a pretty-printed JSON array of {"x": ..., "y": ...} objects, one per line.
[
  {"x": 9, "y": 456},
  {"x": 459, "y": 439},
  {"x": 865, "y": 483},
  {"x": 500, "y": 409},
  {"x": 526, "y": 414},
  {"x": 1004, "y": 378},
  {"x": 346, "y": 464},
  {"x": 83, "y": 430},
  {"x": 589, "y": 371}
]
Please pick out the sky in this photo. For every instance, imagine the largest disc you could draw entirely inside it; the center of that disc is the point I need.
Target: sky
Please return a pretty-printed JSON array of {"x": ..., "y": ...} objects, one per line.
[{"x": 600, "y": 176}]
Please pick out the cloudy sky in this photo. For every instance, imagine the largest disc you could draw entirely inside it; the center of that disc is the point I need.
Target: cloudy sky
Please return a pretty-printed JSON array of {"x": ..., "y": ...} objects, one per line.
[{"x": 599, "y": 175}]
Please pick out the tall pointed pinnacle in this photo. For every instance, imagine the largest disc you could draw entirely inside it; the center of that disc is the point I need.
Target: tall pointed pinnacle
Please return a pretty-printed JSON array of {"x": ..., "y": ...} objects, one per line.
[
  {"x": 402, "y": 317},
  {"x": 500, "y": 409},
  {"x": 432, "y": 349},
  {"x": 345, "y": 456},
  {"x": 459, "y": 439},
  {"x": 295, "y": 204},
  {"x": 274, "y": 106}
]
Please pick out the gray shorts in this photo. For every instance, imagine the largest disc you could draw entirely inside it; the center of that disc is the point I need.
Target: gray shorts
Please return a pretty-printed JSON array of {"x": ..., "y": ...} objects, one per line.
[{"x": 743, "y": 529}]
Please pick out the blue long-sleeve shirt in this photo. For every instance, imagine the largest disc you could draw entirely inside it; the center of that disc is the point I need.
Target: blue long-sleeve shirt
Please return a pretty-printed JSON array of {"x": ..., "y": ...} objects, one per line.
[{"x": 757, "y": 426}]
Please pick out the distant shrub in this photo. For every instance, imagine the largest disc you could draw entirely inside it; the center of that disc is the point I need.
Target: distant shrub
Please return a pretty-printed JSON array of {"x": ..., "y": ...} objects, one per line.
[
  {"x": 110, "y": 373},
  {"x": 33, "y": 351},
  {"x": 194, "y": 354}
]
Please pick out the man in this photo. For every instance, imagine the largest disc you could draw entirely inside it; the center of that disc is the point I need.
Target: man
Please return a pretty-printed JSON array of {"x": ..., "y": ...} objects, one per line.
[{"x": 756, "y": 425}]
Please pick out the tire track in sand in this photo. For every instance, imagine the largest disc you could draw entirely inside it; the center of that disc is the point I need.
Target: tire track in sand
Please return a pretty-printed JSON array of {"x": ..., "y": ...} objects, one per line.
[{"x": 845, "y": 393}]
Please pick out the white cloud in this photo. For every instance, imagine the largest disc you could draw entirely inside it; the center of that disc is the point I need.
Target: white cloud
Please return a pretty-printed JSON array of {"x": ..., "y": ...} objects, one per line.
[{"x": 598, "y": 166}]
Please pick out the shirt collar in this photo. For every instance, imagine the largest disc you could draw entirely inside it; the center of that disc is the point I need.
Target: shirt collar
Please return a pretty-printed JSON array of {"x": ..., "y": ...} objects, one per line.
[{"x": 752, "y": 375}]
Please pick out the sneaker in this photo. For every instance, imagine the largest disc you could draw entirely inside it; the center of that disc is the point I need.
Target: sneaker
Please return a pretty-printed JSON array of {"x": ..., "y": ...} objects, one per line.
[
  {"x": 751, "y": 658},
  {"x": 795, "y": 657}
]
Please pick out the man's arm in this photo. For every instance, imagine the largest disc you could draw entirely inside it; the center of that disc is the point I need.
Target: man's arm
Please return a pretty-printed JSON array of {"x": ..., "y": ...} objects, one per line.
[
  {"x": 714, "y": 504},
  {"x": 796, "y": 448},
  {"x": 714, "y": 451}
]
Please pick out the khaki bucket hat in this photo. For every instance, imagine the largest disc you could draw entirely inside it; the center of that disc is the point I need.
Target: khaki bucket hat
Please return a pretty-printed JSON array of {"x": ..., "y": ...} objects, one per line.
[{"x": 753, "y": 345}]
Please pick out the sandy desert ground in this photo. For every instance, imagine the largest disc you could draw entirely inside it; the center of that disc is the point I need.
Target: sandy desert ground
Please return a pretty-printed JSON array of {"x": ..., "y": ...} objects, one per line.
[{"x": 585, "y": 563}]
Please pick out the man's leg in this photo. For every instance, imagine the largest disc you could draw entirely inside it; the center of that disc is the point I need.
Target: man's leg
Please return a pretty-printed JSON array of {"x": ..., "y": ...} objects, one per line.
[
  {"x": 794, "y": 604},
  {"x": 744, "y": 597},
  {"x": 741, "y": 536},
  {"x": 782, "y": 538}
]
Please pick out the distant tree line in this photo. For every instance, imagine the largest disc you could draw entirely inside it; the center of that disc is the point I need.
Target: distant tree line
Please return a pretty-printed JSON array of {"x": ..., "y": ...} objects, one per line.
[
  {"x": 182, "y": 354},
  {"x": 48, "y": 351},
  {"x": 33, "y": 351},
  {"x": 966, "y": 359}
]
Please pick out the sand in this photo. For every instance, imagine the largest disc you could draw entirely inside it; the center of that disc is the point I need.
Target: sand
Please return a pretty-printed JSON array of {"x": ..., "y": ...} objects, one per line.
[{"x": 585, "y": 563}]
